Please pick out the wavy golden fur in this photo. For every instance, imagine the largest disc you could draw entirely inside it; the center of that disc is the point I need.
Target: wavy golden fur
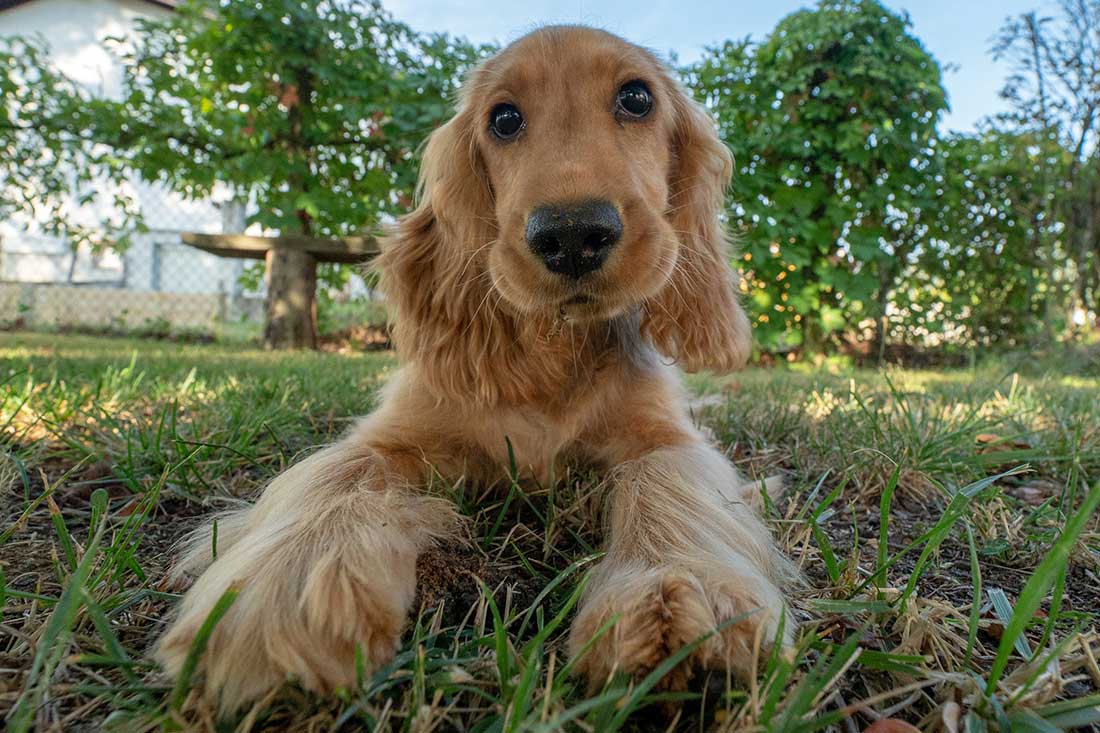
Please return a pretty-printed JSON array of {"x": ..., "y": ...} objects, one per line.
[{"x": 495, "y": 345}]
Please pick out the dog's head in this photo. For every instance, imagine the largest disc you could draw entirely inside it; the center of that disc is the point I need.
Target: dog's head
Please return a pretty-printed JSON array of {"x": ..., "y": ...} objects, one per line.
[{"x": 576, "y": 180}]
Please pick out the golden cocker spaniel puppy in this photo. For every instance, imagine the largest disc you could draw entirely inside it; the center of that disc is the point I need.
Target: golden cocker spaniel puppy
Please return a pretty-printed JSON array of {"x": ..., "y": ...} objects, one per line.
[{"x": 566, "y": 250}]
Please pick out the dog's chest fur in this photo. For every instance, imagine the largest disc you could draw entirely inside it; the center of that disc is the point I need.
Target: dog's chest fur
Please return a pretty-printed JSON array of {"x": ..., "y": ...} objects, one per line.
[{"x": 566, "y": 427}]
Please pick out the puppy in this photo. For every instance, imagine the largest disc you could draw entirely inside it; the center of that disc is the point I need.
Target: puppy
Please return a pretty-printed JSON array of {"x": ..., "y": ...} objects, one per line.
[{"x": 566, "y": 251}]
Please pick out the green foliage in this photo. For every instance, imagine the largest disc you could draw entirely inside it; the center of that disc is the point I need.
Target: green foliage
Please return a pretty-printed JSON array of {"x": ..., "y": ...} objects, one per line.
[
  {"x": 49, "y": 167},
  {"x": 310, "y": 111},
  {"x": 862, "y": 224},
  {"x": 989, "y": 272},
  {"x": 832, "y": 121},
  {"x": 1053, "y": 94}
]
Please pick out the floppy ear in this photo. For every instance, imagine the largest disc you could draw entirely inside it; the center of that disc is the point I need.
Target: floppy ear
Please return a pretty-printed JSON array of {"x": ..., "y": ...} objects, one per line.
[
  {"x": 446, "y": 318},
  {"x": 696, "y": 318}
]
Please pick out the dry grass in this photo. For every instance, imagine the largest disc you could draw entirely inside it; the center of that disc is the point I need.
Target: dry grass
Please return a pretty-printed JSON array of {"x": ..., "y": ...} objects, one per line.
[{"x": 947, "y": 586}]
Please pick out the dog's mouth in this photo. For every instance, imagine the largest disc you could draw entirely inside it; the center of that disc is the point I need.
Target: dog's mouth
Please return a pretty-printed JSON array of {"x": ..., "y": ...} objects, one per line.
[
  {"x": 587, "y": 307},
  {"x": 579, "y": 305}
]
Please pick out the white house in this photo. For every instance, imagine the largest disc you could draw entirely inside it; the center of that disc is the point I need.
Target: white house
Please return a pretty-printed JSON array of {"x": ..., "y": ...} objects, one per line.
[{"x": 40, "y": 280}]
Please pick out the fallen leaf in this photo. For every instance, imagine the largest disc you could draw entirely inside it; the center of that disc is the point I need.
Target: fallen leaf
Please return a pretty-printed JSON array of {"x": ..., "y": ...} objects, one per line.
[
  {"x": 993, "y": 443},
  {"x": 1035, "y": 492}
]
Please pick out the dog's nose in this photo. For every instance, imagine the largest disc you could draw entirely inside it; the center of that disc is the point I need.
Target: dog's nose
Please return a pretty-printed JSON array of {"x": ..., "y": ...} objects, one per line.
[{"x": 574, "y": 239}]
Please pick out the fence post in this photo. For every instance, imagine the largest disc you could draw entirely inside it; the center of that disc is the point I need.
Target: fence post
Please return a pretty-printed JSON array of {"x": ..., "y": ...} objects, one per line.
[
  {"x": 26, "y": 304},
  {"x": 154, "y": 267}
]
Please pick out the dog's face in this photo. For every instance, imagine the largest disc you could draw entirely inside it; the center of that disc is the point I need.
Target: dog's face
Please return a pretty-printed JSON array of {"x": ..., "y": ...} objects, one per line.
[
  {"x": 577, "y": 179},
  {"x": 576, "y": 133}
]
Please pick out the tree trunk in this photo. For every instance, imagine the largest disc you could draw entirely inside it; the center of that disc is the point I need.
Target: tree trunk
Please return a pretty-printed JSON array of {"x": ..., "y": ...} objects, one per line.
[
  {"x": 291, "y": 300},
  {"x": 292, "y": 276},
  {"x": 881, "y": 334}
]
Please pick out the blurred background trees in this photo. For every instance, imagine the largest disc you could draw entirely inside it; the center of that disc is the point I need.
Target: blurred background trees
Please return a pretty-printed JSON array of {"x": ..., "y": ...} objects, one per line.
[
  {"x": 1055, "y": 94},
  {"x": 308, "y": 113},
  {"x": 863, "y": 226},
  {"x": 311, "y": 111},
  {"x": 989, "y": 273},
  {"x": 832, "y": 122}
]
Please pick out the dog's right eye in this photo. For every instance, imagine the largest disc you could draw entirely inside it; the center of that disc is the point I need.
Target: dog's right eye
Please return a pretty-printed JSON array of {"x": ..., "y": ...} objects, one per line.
[
  {"x": 505, "y": 121},
  {"x": 634, "y": 99}
]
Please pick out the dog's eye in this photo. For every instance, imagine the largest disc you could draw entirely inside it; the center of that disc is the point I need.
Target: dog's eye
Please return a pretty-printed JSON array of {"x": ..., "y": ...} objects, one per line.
[
  {"x": 634, "y": 99},
  {"x": 505, "y": 121}
]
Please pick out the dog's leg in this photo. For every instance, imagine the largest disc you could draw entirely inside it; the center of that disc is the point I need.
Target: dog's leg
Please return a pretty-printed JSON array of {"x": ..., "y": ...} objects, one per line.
[
  {"x": 324, "y": 563},
  {"x": 685, "y": 555}
]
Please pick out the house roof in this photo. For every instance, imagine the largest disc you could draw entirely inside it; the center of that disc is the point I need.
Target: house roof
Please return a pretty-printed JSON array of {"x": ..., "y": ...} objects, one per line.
[{"x": 9, "y": 4}]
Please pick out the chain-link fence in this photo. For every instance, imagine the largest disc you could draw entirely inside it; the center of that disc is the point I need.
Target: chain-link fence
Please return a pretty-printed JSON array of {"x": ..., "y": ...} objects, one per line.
[{"x": 156, "y": 286}]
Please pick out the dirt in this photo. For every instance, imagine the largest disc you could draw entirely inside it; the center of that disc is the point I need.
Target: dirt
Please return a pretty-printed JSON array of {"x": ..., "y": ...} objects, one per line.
[{"x": 448, "y": 576}]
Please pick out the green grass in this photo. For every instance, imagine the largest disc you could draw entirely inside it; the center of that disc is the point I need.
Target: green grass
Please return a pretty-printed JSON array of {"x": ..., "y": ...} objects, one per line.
[{"x": 945, "y": 522}]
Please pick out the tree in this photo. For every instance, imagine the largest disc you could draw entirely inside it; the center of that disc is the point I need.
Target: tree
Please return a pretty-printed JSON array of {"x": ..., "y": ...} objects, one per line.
[
  {"x": 987, "y": 273},
  {"x": 312, "y": 111},
  {"x": 1055, "y": 93},
  {"x": 309, "y": 111},
  {"x": 832, "y": 122}
]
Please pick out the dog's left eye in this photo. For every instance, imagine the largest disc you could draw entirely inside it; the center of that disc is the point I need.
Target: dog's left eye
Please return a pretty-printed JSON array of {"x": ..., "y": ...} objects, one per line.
[
  {"x": 506, "y": 121},
  {"x": 634, "y": 99}
]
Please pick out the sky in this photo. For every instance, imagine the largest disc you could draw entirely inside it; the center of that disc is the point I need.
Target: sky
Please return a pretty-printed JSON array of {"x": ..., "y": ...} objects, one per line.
[{"x": 957, "y": 32}]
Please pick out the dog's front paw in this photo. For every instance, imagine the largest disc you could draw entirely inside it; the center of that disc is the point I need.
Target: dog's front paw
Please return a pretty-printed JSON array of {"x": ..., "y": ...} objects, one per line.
[
  {"x": 301, "y": 612},
  {"x": 660, "y": 610}
]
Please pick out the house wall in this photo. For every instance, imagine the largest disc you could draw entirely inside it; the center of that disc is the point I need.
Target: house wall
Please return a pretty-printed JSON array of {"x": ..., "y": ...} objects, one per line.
[{"x": 76, "y": 31}]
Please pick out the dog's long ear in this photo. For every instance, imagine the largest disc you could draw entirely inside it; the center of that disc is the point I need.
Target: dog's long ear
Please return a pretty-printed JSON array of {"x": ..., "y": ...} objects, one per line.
[
  {"x": 696, "y": 318},
  {"x": 443, "y": 311}
]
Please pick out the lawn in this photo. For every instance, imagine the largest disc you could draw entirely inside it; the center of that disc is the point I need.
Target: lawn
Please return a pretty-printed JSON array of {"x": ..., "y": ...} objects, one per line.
[{"x": 944, "y": 521}]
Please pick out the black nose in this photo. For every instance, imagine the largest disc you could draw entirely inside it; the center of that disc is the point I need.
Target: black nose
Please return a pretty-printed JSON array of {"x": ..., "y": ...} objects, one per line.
[{"x": 574, "y": 239}]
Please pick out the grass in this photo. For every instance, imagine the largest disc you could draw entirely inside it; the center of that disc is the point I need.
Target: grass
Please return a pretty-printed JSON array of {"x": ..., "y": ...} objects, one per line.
[{"x": 945, "y": 522}]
